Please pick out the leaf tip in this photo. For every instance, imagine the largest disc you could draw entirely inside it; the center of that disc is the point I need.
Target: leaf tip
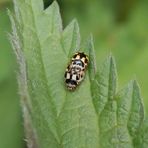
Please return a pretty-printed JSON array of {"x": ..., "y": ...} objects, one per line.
[
  {"x": 55, "y": 4},
  {"x": 136, "y": 86},
  {"x": 10, "y": 15},
  {"x": 88, "y": 48},
  {"x": 75, "y": 23},
  {"x": 112, "y": 62},
  {"x": 111, "y": 58},
  {"x": 135, "y": 83},
  {"x": 90, "y": 37}
]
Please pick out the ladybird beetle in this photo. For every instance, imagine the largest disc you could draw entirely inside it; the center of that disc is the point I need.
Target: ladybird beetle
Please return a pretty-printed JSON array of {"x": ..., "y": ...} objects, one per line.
[{"x": 75, "y": 71}]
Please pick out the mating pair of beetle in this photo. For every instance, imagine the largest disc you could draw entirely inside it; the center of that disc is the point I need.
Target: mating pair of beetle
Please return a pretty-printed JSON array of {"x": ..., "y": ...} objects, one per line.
[{"x": 75, "y": 71}]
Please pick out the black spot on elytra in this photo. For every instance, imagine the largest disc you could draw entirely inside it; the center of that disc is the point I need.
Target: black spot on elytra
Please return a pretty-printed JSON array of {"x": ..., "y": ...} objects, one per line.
[
  {"x": 68, "y": 67},
  {"x": 71, "y": 76},
  {"x": 65, "y": 74},
  {"x": 75, "y": 55},
  {"x": 86, "y": 60},
  {"x": 67, "y": 80},
  {"x": 72, "y": 82},
  {"x": 82, "y": 55}
]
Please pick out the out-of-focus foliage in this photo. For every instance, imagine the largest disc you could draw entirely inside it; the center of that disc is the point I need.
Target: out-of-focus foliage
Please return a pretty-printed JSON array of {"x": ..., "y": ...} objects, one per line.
[{"x": 126, "y": 38}]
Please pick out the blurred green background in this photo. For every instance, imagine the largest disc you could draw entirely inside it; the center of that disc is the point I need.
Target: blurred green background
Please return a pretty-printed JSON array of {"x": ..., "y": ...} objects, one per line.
[{"x": 118, "y": 27}]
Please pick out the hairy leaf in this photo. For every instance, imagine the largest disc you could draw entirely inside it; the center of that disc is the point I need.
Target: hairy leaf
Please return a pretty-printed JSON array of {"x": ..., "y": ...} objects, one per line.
[{"x": 92, "y": 116}]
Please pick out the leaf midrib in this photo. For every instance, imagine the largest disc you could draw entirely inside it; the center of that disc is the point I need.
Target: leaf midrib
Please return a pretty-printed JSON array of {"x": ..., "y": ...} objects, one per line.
[{"x": 43, "y": 70}]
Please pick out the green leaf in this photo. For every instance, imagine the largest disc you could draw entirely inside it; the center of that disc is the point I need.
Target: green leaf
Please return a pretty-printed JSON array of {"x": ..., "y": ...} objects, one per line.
[
  {"x": 94, "y": 115},
  {"x": 104, "y": 84},
  {"x": 71, "y": 38},
  {"x": 142, "y": 137},
  {"x": 46, "y": 61},
  {"x": 120, "y": 115}
]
